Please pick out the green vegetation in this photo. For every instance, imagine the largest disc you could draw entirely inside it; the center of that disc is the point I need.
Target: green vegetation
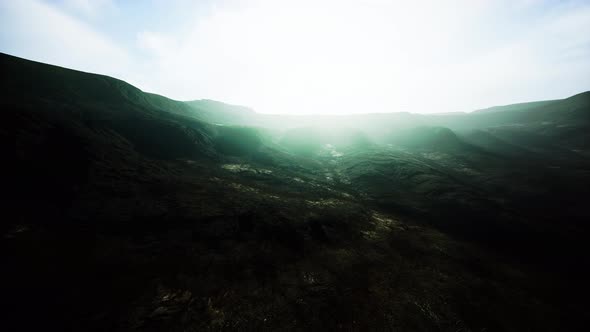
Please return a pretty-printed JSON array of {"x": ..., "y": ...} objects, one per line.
[{"x": 127, "y": 210}]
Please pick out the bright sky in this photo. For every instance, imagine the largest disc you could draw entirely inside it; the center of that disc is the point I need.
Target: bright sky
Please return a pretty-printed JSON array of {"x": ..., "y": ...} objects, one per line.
[{"x": 317, "y": 56}]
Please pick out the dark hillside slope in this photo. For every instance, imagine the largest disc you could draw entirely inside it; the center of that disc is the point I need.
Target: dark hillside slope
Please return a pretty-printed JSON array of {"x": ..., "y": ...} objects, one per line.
[
  {"x": 572, "y": 111},
  {"x": 516, "y": 107},
  {"x": 218, "y": 112},
  {"x": 22, "y": 79},
  {"x": 154, "y": 125},
  {"x": 95, "y": 101},
  {"x": 61, "y": 127}
]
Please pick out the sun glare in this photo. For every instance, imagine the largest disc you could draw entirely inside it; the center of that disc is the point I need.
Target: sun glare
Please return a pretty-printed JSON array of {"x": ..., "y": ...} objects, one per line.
[{"x": 327, "y": 59}]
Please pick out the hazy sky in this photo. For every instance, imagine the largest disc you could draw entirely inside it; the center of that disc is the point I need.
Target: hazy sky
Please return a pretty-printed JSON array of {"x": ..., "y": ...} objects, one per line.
[{"x": 317, "y": 56}]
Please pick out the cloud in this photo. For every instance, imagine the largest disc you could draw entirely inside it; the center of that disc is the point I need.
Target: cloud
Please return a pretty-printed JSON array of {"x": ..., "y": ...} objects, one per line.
[
  {"x": 157, "y": 43},
  {"x": 39, "y": 31},
  {"x": 90, "y": 8},
  {"x": 304, "y": 56}
]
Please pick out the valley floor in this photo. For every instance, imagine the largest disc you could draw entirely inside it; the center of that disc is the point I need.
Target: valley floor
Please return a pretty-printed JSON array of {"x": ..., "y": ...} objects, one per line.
[{"x": 189, "y": 246}]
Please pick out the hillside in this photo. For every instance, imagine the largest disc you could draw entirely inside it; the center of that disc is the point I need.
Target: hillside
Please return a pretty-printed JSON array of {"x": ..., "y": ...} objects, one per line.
[{"x": 127, "y": 210}]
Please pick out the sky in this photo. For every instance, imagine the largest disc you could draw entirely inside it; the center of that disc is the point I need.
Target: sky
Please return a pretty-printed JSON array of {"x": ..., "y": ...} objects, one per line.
[{"x": 317, "y": 56}]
